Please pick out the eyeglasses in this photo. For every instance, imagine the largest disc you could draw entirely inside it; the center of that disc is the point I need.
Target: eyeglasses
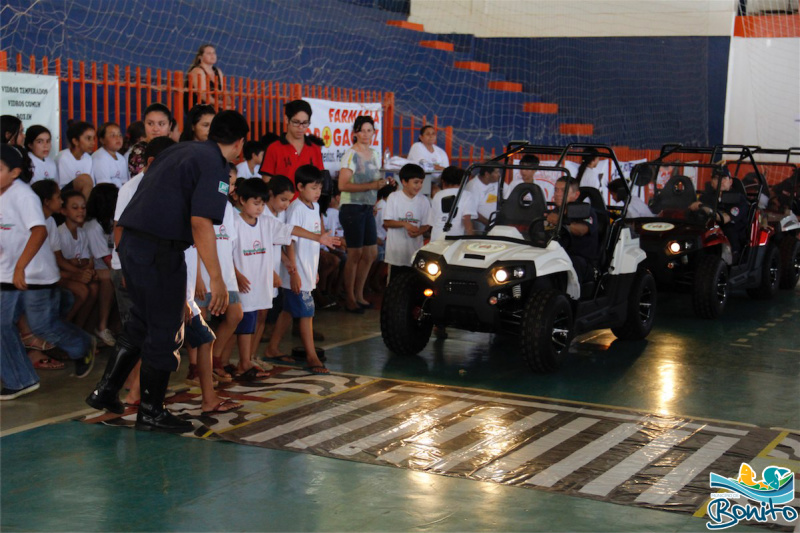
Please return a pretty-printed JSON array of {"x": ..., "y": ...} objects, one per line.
[{"x": 300, "y": 124}]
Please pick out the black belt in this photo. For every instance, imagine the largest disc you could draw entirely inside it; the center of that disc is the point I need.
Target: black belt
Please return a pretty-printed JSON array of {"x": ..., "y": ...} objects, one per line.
[{"x": 170, "y": 244}]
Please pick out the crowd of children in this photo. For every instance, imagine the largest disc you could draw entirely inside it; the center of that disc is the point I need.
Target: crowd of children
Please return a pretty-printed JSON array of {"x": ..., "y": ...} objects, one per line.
[{"x": 281, "y": 246}]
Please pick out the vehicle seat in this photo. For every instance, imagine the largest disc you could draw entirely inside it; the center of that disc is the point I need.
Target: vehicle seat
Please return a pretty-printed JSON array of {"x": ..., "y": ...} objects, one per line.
[
  {"x": 523, "y": 205},
  {"x": 603, "y": 218},
  {"x": 677, "y": 193}
]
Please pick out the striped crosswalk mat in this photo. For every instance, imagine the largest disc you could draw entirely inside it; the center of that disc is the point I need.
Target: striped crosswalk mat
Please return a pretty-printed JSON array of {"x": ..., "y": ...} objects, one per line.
[{"x": 615, "y": 455}]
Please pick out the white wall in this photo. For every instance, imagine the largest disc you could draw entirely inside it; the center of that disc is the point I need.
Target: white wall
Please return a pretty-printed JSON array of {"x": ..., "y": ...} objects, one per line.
[
  {"x": 763, "y": 102},
  {"x": 576, "y": 18}
]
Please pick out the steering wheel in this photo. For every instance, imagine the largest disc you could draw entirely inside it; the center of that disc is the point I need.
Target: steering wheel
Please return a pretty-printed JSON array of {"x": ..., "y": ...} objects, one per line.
[{"x": 537, "y": 236}]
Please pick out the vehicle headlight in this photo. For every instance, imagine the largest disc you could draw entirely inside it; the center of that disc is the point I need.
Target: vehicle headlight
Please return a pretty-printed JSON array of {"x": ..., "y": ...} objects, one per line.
[
  {"x": 674, "y": 247},
  {"x": 500, "y": 275},
  {"x": 432, "y": 269}
]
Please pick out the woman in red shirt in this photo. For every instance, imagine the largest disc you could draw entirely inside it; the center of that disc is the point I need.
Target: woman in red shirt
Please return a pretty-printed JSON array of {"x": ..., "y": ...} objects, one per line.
[{"x": 294, "y": 149}]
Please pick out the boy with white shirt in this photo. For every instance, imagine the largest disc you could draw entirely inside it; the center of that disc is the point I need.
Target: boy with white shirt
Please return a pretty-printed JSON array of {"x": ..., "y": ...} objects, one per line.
[
  {"x": 526, "y": 175},
  {"x": 28, "y": 283},
  {"x": 300, "y": 277},
  {"x": 484, "y": 188},
  {"x": 467, "y": 209},
  {"x": 253, "y": 152},
  {"x": 406, "y": 218}
]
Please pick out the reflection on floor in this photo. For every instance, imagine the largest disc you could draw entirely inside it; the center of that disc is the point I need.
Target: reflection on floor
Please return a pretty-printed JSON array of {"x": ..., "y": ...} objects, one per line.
[{"x": 743, "y": 368}]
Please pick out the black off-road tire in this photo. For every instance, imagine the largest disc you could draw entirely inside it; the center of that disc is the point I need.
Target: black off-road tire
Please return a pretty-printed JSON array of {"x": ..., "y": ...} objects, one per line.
[
  {"x": 547, "y": 329},
  {"x": 641, "y": 311},
  {"x": 770, "y": 275},
  {"x": 790, "y": 262},
  {"x": 402, "y": 330},
  {"x": 710, "y": 287}
]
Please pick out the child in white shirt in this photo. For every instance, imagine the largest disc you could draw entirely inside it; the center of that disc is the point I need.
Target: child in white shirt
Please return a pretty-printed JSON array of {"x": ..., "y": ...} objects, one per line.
[
  {"x": 406, "y": 218},
  {"x": 226, "y": 237},
  {"x": 108, "y": 164},
  {"x": 484, "y": 188},
  {"x": 253, "y": 152},
  {"x": 99, "y": 229},
  {"x": 299, "y": 277},
  {"x": 466, "y": 211},
  {"x": 38, "y": 141},
  {"x": 28, "y": 274},
  {"x": 75, "y": 163},
  {"x": 75, "y": 250}
]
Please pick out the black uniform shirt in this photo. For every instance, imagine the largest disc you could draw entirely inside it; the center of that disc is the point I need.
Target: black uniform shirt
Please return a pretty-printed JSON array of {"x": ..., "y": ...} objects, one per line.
[
  {"x": 187, "y": 180},
  {"x": 587, "y": 246}
]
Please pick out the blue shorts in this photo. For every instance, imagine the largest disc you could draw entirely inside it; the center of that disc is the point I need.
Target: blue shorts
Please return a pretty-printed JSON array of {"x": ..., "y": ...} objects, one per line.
[
  {"x": 197, "y": 333},
  {"x": 233, "y": 298},
  {"x": 298, "y": 305},
  {"x": 358, "y": 224},
  {"x": 275, "y": 310},
  {"x": 247, "y": 326}
]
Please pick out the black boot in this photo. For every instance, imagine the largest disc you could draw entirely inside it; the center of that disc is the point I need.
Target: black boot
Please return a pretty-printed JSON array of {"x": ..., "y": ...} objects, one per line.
[
  {"x": 120, "y": 364},
  {"x": 153, "y": 416}
]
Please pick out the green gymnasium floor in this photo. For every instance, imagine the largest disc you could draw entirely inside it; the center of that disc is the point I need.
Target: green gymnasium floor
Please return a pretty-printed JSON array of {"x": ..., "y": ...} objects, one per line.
[{"x": 59, "y": 474}]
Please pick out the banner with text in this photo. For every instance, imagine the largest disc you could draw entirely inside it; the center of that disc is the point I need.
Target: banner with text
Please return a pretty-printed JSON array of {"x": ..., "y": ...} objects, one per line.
[
  {"x": 333, "y": 123},
  {"x": 34, "y": 99}
]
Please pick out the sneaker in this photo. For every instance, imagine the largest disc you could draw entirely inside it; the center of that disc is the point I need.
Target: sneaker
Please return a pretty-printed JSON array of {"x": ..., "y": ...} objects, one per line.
[
  {"x": 85, "y": 364},
  {"x": 106, "y": 336},
  {"x": 10, "y": 394}
]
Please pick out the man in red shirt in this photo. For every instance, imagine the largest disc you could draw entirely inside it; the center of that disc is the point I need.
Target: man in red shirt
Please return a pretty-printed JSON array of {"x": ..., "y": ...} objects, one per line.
[{"x": 294, "y": 149}]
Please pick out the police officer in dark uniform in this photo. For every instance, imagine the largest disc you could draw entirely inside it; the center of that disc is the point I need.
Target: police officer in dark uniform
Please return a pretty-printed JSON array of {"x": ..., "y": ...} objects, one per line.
[
  {"x": 731, "y": 216},
  {"x": 583, "y": 246},
  {"x": 180, "y": 198}
]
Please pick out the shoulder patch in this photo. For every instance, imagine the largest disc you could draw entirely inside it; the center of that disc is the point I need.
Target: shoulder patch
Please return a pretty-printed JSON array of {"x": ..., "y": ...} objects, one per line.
[
  {"x": 735, "y": 211},
  {"x": 223, "y": 188}
]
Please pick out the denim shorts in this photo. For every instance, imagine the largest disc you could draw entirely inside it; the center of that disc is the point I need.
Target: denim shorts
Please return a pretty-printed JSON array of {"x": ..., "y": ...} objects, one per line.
[
  {"x": 197, "y": 333},
  {"x": 233, "y": 298},
  {"x": 298, "y": 305},
  {"x": 358, "y": 224},
  {"x": 247, "y": 326}
]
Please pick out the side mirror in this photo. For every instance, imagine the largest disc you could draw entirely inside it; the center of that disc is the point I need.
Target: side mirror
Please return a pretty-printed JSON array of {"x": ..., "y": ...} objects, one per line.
[
  {"x": 730, "y": 197},
  {"x": 578, "y": 210}
]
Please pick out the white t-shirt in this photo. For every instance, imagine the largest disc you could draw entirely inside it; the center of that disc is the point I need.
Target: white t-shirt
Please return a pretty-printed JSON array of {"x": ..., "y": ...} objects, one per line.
[
  {"x": 70, "y": 168},
  {"x": 100, "y": 243},
  {"x": 466, "y": 206},
  {"x": 253, "y": 256},
  {"x": 638, "y": 209},
  {"x": 306, "y": 255},
  {"x": 190, "y": 256},
  {"x": 332, "y": 224},
  {"x": 53, "y": 239},
  {"x": 226, "y": 236},
  {"x": 379, "y": 210},
  {"x": 243, "y": 171},
  {"x": 123, "y": 199},
  {"x": 109, "y": 170},
  {"x": 485, "y": 196},
  {"x": 21, "y": 211},
  {"x": 400, "y": 248},
  {"x": 276, "y": 249},
  {"x": 72, "y": 248},
  {"x": 419, "y": 155},
  {"x": 43, "y": 169}
]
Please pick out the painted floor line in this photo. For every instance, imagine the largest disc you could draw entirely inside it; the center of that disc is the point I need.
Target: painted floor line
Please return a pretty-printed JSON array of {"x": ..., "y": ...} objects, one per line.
[
  {"x": 46, "y": 421},
  {"x": 351, "y": 341}
]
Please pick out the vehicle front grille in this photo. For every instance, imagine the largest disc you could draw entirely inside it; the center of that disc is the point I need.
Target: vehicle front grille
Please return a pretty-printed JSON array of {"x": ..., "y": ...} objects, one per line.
[{"x": 466, "y": 288}]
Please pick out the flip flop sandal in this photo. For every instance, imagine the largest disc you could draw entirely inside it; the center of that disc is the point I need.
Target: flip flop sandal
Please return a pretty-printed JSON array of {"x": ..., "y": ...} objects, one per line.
[
  {"x": 48, "y": 364},
  {"x": 218, "y": 409},
  {"x": 318, "y": 370},
  {"x": 218, "y": 372},
  {"x": 252, "y": 375},
  {"x": 32, "y": 342}
]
